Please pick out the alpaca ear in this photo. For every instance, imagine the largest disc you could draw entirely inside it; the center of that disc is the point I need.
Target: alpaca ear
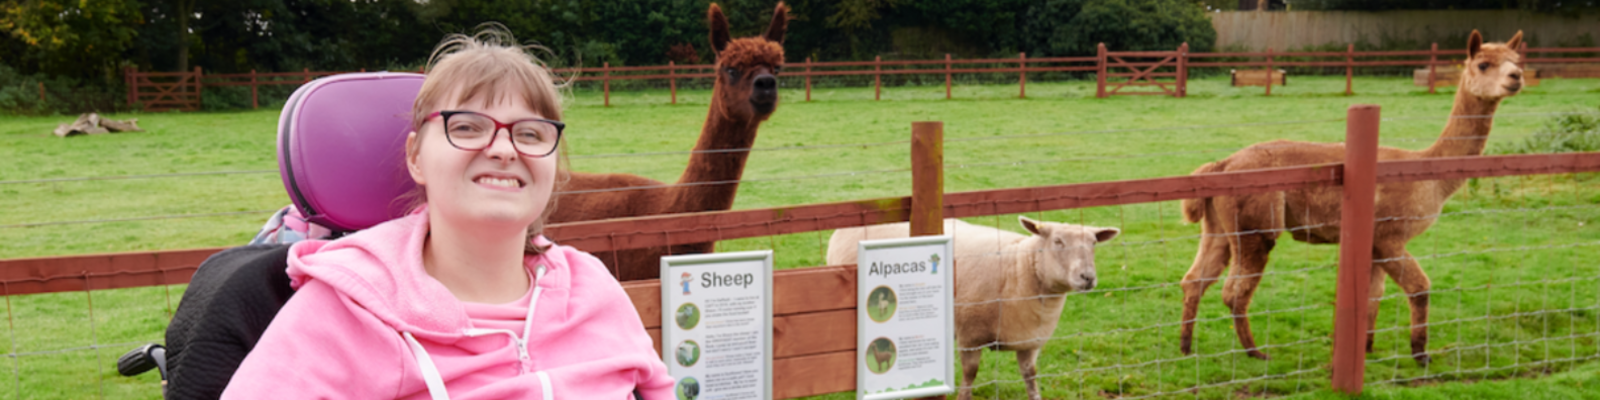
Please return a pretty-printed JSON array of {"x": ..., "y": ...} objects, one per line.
[
  {"x": 1474, "y": 44},
  {"x": 780, "y": 22},
  {"x": 719, "y": 28},
  {"x": 1515, "y": 41},
  {"x": 1030, "y": 225}
]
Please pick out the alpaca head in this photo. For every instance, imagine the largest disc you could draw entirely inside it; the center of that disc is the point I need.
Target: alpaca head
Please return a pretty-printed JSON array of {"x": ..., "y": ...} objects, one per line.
[
  {"x": 1491, "y": 68},
  {"x": 747, "y": 68}
]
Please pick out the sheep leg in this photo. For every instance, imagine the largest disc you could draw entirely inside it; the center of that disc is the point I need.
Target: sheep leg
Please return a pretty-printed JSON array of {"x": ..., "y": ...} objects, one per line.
[
  {"x": 1409, "y": 276},
  {"x": 1209, "y": 263},
  {"x": 1250, "y": 260},
  {"x": 1027, "y": 360},
  {"x": 970, "y": 360}
]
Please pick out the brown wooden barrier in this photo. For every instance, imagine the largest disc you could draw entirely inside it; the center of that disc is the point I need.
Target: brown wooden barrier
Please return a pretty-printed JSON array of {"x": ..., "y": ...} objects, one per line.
[
  {"x": 184, "y": 93},
  {"x": 814, "y": 308}
]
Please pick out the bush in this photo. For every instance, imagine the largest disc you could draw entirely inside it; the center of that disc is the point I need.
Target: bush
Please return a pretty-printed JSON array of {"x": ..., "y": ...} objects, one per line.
[
  {"x": 19, "y": 94},
  {"x": 1576, "y": 132}
]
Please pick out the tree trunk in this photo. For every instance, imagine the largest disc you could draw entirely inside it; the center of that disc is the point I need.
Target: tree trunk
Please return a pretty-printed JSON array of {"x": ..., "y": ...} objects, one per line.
[{"x": 184, "y": 9}]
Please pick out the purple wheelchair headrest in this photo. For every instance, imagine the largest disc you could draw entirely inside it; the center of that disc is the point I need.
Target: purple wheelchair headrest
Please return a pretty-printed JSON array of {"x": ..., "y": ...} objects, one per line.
[{"x": 341, "y": 148}]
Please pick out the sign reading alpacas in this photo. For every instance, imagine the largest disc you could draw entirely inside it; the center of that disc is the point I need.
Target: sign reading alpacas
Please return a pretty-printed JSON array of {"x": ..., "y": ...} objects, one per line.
[
  {"x": 716, "y": 324},
  {"x": 904, "y": 326}
]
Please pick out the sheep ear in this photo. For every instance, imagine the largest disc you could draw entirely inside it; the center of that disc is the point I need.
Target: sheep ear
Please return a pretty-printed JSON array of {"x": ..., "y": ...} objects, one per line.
[
  {"x": 1474, "y": 44},
  {"x": 719, "y": 28},
  {"x": 1516, "y": 40},
  {"x": 1101, "y": 235},
  {"x": 1030, "y": 225}
]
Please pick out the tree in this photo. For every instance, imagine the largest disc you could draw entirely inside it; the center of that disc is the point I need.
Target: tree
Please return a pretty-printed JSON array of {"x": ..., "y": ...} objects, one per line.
[
  {"x": 1134, "y": 25},
  {"x": 78, "y": 39}
]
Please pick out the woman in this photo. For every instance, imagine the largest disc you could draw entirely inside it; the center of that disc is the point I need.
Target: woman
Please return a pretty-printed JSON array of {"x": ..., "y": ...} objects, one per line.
[{"x": 462, "y": 298}]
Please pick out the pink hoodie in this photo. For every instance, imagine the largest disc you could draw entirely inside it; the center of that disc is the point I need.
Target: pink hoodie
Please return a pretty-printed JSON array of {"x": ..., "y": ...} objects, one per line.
[{"x": 364, "y": 305}]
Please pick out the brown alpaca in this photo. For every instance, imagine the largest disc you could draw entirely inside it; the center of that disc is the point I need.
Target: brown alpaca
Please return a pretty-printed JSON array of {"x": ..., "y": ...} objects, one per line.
[
  {"x": 1404, "y": 209},
  {"x": 744, "y": 95}
]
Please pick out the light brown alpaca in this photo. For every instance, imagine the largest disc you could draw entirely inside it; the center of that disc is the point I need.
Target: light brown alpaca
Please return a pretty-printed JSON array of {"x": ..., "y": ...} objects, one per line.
[
  {"x": 1404, "y": 209},
  {"x": 745, "y": 94}
]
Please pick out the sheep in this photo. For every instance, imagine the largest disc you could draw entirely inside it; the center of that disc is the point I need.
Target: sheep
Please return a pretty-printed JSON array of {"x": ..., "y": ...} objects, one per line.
[
  {"x": 1026, "y": 274},
  {"x": 684, "y": 314}
]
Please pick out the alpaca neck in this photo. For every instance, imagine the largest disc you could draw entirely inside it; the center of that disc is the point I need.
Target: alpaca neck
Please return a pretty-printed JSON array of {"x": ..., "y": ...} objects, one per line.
[
  {"x": 1467, "y": 132},
  {"x": 711, "y": 162}
]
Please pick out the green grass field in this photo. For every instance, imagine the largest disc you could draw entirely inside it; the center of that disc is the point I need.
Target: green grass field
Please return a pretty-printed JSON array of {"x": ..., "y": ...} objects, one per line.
[{"x": 1516, "y": 303}]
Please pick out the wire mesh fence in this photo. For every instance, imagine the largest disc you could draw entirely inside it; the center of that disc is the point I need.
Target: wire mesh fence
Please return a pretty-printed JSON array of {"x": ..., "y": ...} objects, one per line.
[{"x": 1512, "y": 293}]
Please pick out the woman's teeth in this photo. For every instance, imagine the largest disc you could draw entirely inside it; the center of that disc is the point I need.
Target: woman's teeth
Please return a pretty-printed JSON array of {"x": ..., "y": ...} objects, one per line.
[{"x": 508, "y": 183}]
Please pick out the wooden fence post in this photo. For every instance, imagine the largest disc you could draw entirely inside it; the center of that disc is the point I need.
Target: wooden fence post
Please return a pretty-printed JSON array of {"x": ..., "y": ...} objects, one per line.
[
  {"x": 199, "y": 89},
  {"x": 41, "y": 92},
  {"x": 1183, "y": 70},
  {"x": 305, "y": 75},
  {"x": 1100, "y": 75},
  {"x": 1022, "y": 80},
  {"x": 927, "y": 178},
  {"x": 130, "y": 75},
  {"x": 253, "y": 102},
  {"x": 877, "y": 77},
  {"x": 1433, "y": 56},
  {"x": 606, "y": 81},
  {"x": 672, "y": 76},
  {"x": 1355, "y": 248},
  {"x": 1349, "y": 67},
  {"x": 808, "y": 79},
  {"x": 947, "y": 76},
  {"x": 1269, "y": 71}
]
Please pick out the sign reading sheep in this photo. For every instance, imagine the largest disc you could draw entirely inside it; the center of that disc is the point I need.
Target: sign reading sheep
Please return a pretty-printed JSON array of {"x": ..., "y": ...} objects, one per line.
[{"x": 995, "y": 267}]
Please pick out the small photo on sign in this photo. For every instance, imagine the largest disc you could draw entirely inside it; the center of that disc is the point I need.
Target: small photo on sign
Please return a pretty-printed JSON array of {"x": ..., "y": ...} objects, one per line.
[
  {"x": 688, "y": 316},
  {"x": 688, "y": 353},
  {"x": 688, "y": 388},
  {"x": 882, "y": 303},
  {"x": 881, "y": 355}
]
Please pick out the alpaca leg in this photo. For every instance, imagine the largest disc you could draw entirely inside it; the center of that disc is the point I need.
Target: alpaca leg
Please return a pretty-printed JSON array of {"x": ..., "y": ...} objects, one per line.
[
  {"x": 1250, "y": 259},
  {"x": 970, "y": 360},
  {"x": 1209, "y": 263},
  {"x": 1374, "y": 292},
  {"x": 1027, "y": 360},
  {"x": 1409, "y": 276}
]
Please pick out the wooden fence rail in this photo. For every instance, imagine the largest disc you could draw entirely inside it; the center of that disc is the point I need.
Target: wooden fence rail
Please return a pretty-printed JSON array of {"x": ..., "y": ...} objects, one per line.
[
  {"x": 814, "y": 308},
  {"x": 1171, "y": 64}
]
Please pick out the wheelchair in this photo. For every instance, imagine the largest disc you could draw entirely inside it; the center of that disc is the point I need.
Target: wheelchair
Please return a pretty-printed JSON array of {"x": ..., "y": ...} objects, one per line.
[{"x": 341, "y": 145}]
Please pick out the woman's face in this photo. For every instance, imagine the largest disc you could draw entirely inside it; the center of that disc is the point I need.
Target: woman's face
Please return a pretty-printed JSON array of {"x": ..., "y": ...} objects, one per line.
[{"x": 493, "y": 186}]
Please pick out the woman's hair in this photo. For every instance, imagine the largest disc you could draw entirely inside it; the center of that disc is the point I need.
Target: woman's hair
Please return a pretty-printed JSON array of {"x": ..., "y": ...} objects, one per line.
[{"x": 489, "y": 67}]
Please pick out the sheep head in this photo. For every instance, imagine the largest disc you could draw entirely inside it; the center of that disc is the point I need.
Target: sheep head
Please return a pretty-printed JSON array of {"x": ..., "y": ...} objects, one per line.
[{"x": 1064, "y": 257}]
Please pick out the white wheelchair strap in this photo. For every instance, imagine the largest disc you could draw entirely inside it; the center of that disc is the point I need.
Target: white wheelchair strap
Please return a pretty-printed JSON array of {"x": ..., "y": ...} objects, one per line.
[{"x": 430, "y": 373}]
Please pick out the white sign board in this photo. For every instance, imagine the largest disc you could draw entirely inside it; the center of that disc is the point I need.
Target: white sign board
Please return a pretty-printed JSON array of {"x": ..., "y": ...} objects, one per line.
[
  {"x": 716, "y": 324},
  {"x": 905, "y": 323}
]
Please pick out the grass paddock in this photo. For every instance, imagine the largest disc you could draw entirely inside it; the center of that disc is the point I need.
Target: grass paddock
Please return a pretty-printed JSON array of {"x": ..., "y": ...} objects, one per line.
[{"x": 1515, "y": 284}]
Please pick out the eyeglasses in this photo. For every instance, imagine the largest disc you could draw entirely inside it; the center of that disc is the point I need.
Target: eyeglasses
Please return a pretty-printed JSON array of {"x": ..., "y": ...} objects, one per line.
[{"x": 472, "y": 131}]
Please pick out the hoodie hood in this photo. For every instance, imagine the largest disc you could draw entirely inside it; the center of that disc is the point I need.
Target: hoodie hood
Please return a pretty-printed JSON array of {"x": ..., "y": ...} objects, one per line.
[{"x": 385, "y": 277}]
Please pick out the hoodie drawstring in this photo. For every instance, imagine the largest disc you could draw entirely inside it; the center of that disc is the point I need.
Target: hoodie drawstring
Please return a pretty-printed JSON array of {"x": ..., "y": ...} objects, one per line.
[{"x": 430, "y": 373}]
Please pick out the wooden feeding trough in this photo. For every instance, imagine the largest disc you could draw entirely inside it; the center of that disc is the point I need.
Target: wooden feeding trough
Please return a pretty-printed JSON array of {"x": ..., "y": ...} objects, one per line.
[
  {"x": 1258, "y": 77},
  {"x": 1566, "y": 71},
  {"x": 1451, "y": 76}
]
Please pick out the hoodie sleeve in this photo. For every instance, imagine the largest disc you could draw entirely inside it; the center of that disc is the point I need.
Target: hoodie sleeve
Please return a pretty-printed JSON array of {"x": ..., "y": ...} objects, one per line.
[
  {"x": 321, "y": 345},
  {"x": 654, "y": 383}
]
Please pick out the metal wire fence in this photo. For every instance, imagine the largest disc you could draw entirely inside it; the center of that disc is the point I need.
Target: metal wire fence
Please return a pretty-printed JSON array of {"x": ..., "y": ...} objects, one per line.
[{"x": 1513, "y": 293}]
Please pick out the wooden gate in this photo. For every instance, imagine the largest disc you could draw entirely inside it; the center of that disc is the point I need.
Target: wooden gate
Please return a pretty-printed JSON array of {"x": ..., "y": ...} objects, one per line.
[
  {"x": 1165, "y": 70},
  {"x": 162, "y": 91}
]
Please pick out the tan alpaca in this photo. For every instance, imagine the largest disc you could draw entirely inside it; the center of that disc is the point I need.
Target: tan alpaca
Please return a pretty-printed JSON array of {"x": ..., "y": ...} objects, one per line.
[{"x": 1492, "y": 74}]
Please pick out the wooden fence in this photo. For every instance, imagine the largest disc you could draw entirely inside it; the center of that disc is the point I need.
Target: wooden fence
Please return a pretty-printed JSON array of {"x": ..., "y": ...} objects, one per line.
[
  {"x": 154, "y": 89},
  {"x": 814, "y": 308}
]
